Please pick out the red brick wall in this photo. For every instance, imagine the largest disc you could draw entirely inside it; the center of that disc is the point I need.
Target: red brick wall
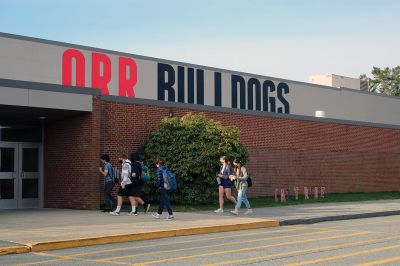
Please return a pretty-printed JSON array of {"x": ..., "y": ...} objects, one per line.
[
  {"x": 283, "y": 152},
  {"x": 71, "y": 161}
]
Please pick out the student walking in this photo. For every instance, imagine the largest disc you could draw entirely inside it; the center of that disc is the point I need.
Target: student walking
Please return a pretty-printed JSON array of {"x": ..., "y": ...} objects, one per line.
[
  {"x": 164, "y": 199},
  {"x": 137, "y": 184},
  {"x": 239, "y": 177},
  {"x": 107, "y": 171},
  {"x": 224, "y": 183},
  {"x": 125, "y": 189}
]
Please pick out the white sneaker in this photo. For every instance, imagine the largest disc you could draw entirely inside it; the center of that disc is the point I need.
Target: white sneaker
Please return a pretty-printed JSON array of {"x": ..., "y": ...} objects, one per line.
[
  {"x": 169, "y": 218},
  {"x": 249, "y": 211},
  {"x": 114, "y": 213},
  {"x": 132, "y": 213},
  {"x": 235, "y": 212},
  {"x": 219, "y": 211},
  {"x": 155, "y": 215}
]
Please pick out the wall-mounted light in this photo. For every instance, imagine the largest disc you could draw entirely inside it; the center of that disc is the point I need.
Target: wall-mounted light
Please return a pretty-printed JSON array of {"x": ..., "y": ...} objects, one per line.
[{"x": 171, "y": 113}]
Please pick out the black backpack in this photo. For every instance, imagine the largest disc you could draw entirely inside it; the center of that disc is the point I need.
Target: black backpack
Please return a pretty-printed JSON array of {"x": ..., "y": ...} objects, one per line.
[
  {"x": 249, "y": 181},
  {"x": 136, "y": 173}
]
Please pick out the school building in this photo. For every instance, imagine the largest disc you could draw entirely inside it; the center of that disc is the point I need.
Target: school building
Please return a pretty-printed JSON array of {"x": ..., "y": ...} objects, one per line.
[{"x": 63, "y": 105}]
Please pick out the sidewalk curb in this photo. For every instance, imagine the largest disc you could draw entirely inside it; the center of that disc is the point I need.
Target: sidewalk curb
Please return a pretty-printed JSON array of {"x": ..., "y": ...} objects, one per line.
[
  {"x": 338, "y": 218},
  {"x": 73, "y": 243},
  {"x": 14, "y": 250}
]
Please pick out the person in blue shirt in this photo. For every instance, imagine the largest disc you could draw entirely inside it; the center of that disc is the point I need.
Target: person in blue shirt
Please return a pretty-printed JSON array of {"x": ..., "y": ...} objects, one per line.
[
  {"x": 107, "y": 171},
  {"x": 164, "y": 199}
]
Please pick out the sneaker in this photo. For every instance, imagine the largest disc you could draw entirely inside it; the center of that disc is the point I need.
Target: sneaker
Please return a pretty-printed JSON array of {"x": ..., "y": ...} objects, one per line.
[
  {"x": 219, "y": 211},
  {"x": 235, "y": 212},
  {"x": 249, "y": 211},
  {"x": 114, "y": 213},
  {"x": 155, "y": 215},
  {"x": 106, "y": 210},
  {"x": 133, "y": 213},
  {"x": 146, "y": 208},
  {"x": 169, "y": 218}
]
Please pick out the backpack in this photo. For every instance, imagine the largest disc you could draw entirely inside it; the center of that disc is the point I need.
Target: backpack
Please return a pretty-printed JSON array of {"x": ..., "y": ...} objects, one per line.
[
  {"x": 145, "y": 176},
  {"x": 136, "y": 172},
  {"x": 116, "y": 175},
  {"x": 249, "y": 181},
  {"x": 169, "y": 180}
]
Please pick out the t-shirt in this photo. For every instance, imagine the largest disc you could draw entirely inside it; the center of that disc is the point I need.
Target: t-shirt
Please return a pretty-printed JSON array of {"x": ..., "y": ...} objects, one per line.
[{"x": 109, "y": 176}]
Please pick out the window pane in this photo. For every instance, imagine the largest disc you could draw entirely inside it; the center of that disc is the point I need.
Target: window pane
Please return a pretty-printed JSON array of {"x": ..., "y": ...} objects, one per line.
[
  {"x": 30, "y": 188},
  {"x": 30, "y": 159},
  {"x": 6, "y": 188},
  {"x": 7, "y": 159}
]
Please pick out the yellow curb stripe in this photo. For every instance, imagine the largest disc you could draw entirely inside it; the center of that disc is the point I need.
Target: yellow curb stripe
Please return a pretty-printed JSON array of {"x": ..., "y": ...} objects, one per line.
[
  {"x": 380, "y": 262},
  {"x": 247, "y": 249},
  {"x": 14, "y": 250},
  {"x": 210, "y": 246},
  {"x": 346, "y": 255},
  {"x": 296, "y": 252},
  {"x": 188, "y": 241},
  {"x": 53, "y": 245}
]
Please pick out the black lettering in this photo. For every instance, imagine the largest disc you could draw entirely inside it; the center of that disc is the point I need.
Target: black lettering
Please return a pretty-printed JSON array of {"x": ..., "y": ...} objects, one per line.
[
  {"x": 166, "y": 84},
  {"x": 268, "y": 86},
  {"x": 217, "y": 89},
  {"x": 181, "y": 84},
  {"x": 253, "y": 84},
  {"x": 283, "y": 88},
  {"x": 190, "y": 85},
  {"x": 200, "y": 86},
  {"x": 235, "y": 81}
]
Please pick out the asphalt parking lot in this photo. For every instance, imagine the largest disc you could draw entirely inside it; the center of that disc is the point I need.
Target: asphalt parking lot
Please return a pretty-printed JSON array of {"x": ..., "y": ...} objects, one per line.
[{"x": 372, "y": 241}]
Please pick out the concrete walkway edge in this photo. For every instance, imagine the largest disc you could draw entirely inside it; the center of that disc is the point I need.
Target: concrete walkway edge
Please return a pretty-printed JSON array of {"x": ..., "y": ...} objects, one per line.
[
  {"x": 73, "y": 243},
  {"x": 338, "y": 218}
]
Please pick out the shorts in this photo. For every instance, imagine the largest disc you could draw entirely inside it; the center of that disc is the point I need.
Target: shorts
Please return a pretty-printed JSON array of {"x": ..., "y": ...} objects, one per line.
[
  {"x": 136, "y": 191},
  {"x": 226, "y": 183},
  {"x": 125, "y": 192}
]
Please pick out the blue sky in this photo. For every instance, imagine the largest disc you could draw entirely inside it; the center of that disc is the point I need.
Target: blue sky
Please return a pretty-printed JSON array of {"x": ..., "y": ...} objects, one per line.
[{"x": 282, "y": 38}]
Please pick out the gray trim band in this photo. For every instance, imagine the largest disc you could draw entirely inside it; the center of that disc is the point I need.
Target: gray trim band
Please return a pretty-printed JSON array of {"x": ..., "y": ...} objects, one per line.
[
  {"x": 206, "y": 108},
  {"x": 47, "y": 87}
]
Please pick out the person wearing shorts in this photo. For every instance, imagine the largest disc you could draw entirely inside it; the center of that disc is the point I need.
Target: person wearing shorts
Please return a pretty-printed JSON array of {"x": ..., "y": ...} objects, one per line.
[
  {"x": 125, "y": 189},
  {"x": 224, "y": 183}
]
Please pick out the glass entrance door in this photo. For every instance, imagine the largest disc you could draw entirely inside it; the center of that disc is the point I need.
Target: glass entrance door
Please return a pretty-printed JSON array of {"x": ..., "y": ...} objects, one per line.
[
  {"x": 20, "y": 175},
  {"x": 8, "y": 176}
]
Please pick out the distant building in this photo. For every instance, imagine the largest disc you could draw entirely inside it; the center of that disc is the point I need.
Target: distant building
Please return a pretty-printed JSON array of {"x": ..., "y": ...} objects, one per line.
[{"x": 337, "y": 81}]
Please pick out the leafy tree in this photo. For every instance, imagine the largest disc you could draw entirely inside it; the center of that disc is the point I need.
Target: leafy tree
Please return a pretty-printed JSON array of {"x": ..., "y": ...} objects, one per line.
[
  {"x": 191, "y": 146},
  {"x": 385, "y": 81}
]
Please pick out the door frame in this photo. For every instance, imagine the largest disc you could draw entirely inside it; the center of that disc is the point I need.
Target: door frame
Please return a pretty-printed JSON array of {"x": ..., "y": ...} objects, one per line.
[{"x": 19, "y": 202}]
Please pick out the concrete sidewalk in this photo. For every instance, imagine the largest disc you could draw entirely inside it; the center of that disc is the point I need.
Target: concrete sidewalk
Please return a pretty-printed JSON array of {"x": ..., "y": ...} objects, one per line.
[{"x": 46, "y": 229}]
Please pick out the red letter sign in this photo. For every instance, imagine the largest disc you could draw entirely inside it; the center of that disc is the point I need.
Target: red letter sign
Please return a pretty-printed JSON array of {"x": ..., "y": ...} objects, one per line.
[
  {"x": 101, "y": 81},
  {"x": 68, "y": 55},
  {"x": 126, "y": 84}
]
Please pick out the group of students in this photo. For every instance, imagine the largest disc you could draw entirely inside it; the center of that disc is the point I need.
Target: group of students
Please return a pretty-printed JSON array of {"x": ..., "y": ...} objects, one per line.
[
  {"x": 131, "y": 187},
  {"x": 229, "y": 176}
]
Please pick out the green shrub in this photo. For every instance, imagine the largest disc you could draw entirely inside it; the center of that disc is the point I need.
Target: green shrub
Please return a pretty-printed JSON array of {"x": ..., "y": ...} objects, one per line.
[{"x": 191, "y": 146}]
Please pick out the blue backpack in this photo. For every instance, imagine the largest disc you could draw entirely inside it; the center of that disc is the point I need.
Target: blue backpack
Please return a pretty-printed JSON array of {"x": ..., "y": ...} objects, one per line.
[
  {"x": 169, "y": 179},
  {"x": 145, "y": 177}
]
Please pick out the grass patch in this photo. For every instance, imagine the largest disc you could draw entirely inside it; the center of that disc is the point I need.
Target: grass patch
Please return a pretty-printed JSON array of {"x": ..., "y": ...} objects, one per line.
[{"x": 262, "y": 202}]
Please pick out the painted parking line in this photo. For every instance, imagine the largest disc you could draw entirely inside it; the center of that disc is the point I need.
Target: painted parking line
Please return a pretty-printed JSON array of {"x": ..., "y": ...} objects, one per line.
[
  {"x": 248, "y": 249},
  {"x": 358, "y": 224},
  {"x": 346, "y": 255},
  {"x": 302, "y": 251},
  {"x": 292, "y": 229},
  {"x": 214, "y": 245},
  {"x": 75, "y": 256},
  {"x": 380, "y": 262},
  {"x": 56, "y": 258}
]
